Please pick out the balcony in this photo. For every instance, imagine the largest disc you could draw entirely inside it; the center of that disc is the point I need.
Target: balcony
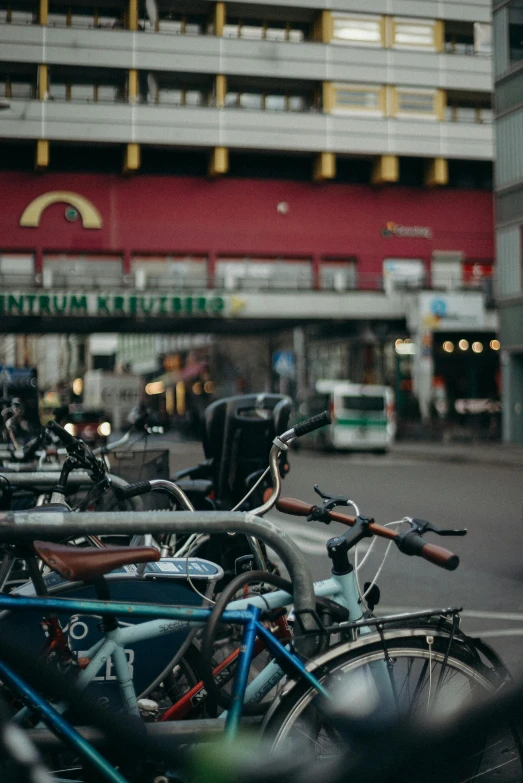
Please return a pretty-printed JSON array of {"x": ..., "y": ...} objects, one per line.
[
  {"x": 207, "y": 127},
  {"x": 262, "y": 58}
]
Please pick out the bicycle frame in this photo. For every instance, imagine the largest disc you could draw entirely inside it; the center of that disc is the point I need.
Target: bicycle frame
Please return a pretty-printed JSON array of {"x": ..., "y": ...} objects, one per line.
[
  {"x": 112, "y": 647},
  {"x": 248, "y": 618}
]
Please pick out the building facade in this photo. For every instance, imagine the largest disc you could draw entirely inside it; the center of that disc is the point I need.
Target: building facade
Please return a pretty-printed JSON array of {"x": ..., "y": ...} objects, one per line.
[
  {"x": 508, "y": 34},
  {"x": 241, "y": 167}
]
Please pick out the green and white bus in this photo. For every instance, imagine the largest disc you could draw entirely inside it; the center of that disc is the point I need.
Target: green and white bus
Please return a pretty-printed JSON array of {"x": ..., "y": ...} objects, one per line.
[{"x": 363, "y": 415}]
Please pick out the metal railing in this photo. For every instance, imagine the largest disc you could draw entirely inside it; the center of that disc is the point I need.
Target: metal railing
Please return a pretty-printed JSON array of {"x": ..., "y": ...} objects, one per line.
[{"x": 12, "y": 282}]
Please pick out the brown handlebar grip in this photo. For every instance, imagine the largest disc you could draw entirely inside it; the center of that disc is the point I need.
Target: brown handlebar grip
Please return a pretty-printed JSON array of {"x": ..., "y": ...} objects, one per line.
[
  {"x": 440, "y": 556},
  {"x": 295, "y": 507}
]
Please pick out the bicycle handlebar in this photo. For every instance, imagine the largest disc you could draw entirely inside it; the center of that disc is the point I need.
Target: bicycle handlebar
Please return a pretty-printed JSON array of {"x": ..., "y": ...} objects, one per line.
[
  {"x": 410, "y": 543},
  {"x": 61, "y": 433},
  {"x": 314, "y": 423}
]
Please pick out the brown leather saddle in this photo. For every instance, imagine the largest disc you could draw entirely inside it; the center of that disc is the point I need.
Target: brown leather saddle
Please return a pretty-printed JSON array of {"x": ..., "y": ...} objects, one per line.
[{"x": 86, "y": 564}]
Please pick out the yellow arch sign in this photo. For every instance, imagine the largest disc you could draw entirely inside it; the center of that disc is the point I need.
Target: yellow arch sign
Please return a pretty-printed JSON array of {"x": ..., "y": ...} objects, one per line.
[{"x": 31, "y": 215}]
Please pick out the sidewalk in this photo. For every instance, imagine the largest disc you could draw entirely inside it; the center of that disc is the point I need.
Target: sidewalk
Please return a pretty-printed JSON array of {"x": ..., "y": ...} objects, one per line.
[{"x": 486, "y": 453}]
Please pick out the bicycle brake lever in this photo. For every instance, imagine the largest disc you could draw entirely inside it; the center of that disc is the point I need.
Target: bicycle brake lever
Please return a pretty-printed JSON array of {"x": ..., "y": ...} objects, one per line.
[
  {"x": 331, "y": 501},
  {"x": 422, "y": 526}
]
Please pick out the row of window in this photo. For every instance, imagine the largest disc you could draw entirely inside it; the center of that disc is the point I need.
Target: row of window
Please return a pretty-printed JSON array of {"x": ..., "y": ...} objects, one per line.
[
  {"x": 372, "y": 100},
  {"x": 153, "y": 271},
  {"x": 345, "y": 28}
]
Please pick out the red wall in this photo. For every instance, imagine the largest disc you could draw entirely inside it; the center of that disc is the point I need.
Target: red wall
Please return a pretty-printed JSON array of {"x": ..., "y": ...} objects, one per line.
[{"x": 239, "y": 216}]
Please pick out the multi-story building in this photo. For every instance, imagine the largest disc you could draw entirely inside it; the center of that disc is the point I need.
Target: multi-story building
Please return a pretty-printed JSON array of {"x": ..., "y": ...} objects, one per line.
[
  {"x": 508, "y": 59},
  {"x": 242, "y": 166}
]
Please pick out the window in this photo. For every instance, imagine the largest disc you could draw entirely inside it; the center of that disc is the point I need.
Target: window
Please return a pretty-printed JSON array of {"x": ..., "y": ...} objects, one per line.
[
  {"x": 66, "y": 270},
  {"x": 178, "y": 271},
  {"x": 297, "y": 103},
  {"x": 416, "y": 102},
  {"x": 260, "y": 101},
  {"x": 482, "y": 38},
  {"x": 358, "y": 98},
  {"x": 22, "y": 90},
  {"x": 82, "y": 92},
  {"x": 262, "y": 273},
  {"x": 266, "y": 30},
  {"x": 414, "y": 33},
  {"x": 106, "y": 93},
  {"x": 275, "y": 103},
  {"x": 515, "y": 31},
  {"x": 359, "y": 30},
  {"x": 338, "y": 274},
  {"x": 364, "y": 403},
  {"x": 250, "y": 100},
  {"x": 17, "y": 269},
  {"x": 403, "y": 273}
]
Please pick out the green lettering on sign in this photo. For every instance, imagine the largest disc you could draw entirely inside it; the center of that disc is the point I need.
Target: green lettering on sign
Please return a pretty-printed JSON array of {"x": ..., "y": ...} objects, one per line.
[
  {"x": 217, "y": 305},
  {"x": 109, "y": 305},
  {"x": 59, "y": 309},
  {"x": 13, "y": 302},
  {"x": 43, "y": 304},
  {"x": 102, "y": 305},
  {"x": 118, "y": 304},
  {"x": 78, "y": 303},
  {"x": 147, "y": 305}
]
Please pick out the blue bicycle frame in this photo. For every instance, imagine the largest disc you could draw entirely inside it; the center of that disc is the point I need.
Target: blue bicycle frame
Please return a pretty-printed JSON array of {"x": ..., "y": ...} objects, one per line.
[{"x": 248, "y": 618}]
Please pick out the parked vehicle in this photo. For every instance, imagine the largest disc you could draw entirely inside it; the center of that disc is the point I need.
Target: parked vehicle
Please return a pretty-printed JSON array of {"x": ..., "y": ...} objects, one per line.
[
  {"x": 91, "y": 425},
  {"x": 116, "y": 394},
  {"x": 363, "y": 415}
]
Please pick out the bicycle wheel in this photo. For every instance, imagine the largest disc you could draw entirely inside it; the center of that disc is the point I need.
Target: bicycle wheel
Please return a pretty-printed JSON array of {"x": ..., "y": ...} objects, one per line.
[{"x": 418, "y": 675}]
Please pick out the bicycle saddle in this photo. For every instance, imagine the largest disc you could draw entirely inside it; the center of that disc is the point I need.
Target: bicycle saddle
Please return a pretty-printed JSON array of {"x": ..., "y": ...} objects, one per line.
[{"x": 84, "y": 564}]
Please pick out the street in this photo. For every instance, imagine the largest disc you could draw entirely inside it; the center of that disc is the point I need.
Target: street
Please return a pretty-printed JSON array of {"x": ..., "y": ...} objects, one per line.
[{"x": 484, "y": 498}]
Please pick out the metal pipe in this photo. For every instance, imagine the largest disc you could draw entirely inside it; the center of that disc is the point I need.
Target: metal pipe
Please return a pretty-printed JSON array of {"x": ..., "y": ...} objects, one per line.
[
  {"x": 186, "y": 730},
  {"x": 17, "y": 526},
  {"x": 49, "y": 479}
]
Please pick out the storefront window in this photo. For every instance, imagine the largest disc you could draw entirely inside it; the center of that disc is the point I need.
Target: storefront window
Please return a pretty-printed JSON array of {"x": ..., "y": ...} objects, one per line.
[
  {"x": 17, "y": 269},
  {"x": 403, "y": 273},
  {"x": 160, "y": 271},
  {"x": 338, "y": 274},
  {"x": 64, "y": 270},
  {"x": 263, "y": 273}
]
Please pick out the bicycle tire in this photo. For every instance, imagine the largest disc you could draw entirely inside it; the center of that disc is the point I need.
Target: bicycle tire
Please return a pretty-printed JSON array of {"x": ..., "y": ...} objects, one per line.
[{"x": 296, "y": 714}]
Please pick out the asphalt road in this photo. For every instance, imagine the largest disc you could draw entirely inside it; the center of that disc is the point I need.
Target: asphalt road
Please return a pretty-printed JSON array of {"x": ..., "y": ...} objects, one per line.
[{"x": 485, "y": 499}]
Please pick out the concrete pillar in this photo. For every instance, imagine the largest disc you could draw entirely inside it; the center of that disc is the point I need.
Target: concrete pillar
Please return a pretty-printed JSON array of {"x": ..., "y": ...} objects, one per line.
[
  {"x": 131, "y": 158},
  {"x": 43, "y": 82},
  {"x": 219, "y": 161},
  {"x": 132, "y": 86},
  {"x": 436, "y": 172},
  {"x": 43, "y": 12},
  {"x": 300, "y": 352},
  {"x": 219, "y": 18},
  {"x": 386, "y": 169},
  {"x": 327, "y": 97},
  {"x": 220, "y": 90},
  {"x": 132, "y": 15},
  {"x": 324, "y": 166},
  {"x": 323, "y": 27},
  {"x": 42, "y": 154}
]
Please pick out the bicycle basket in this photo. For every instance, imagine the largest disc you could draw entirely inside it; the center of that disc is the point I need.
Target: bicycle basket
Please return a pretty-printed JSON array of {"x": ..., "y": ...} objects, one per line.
[{"x": 143, "y": 465}]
